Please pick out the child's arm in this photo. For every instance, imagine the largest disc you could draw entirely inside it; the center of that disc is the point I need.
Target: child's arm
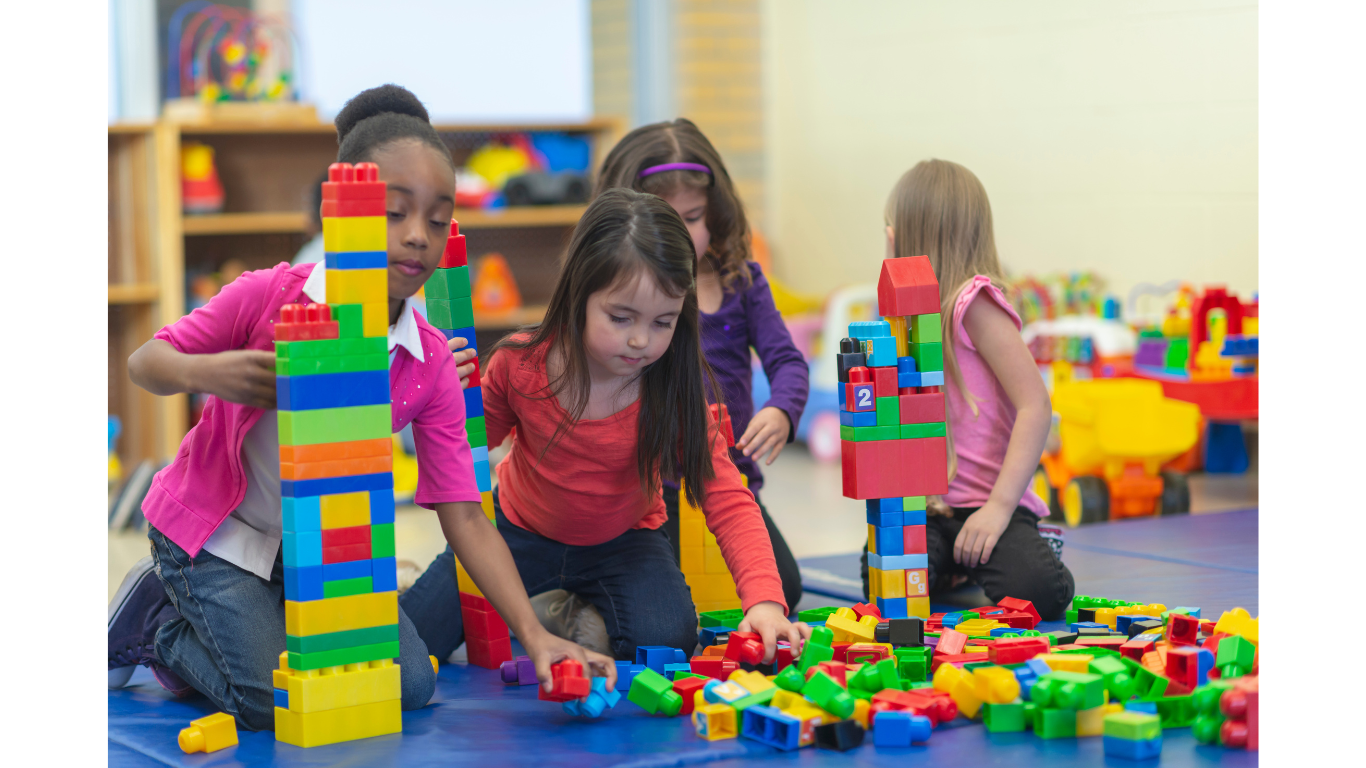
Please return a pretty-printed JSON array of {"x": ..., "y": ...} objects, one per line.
[
  {"x": 997, "y": 339},
  {"x": 485, "y": 556},
  {"x": 775, "y": 424}
]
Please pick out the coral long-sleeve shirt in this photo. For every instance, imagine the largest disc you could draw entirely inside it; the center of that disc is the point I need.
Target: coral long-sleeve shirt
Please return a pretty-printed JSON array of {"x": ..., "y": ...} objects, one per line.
[{"x": 585, "y": 491}]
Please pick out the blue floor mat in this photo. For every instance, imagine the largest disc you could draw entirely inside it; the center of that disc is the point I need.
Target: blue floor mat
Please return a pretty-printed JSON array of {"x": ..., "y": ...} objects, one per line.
[{"x": 474, "y": 720}]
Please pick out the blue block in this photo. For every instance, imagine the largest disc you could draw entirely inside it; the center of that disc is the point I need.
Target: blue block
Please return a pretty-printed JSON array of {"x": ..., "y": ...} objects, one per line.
[
  {"x": 656, "y": 656},
  {"x": 331, "y": 390},
  {"x": 1074, "y": 626},
  {"x": 481, "y": 476},
  {"x": 304, "y": 583},
  {"x": 598, "y": 700},
  {"x": 772, "y": 727},
  {"x": 932, "y": 378},
  {"x": 1194, "y": 613},
  {"x": 382, "y": 506},
  {"x": 950, "y": 620},
  {"x": 301, "y": 513},
  {"x": 465, "y": 333},
  {"x": 892, "y": 607},
  {"x": 880, "y": 351},
  {"x": 1225, "y": 451},
  {"x": 885, "y": 519},
  {"x": 670, "y": 669},
  {"x": 1027, "y": 689},
  {"x": 302, "y": 548},
  {"x": 905, "y": 365},
  {"x": 914, "y": 517},
  {"x": 357, "y": 260},
  {"x": 893, "y": 728},
  {"x": 353, "y": 569},
  {"x": 1038, "y": 666},
  {"x": 866, "y": 329},
  {"x": 865, "y": 399},
  {"x": 281, "y": 698},
  {"x": 329, "y": 485},
  {"x": 1024, "y": 674},
  {"x": 383, "y": 574},
  {"x": 1147, "y": 707},
  {"x": 898, "y": 562},
  {"x": 1132, "y": 750},
  {"x": 709, "y": 636},
  {"x": 1204, "y": 659},
  {"x": 474, "y": 402},
  {"x": 894, "y": 504},
  {"x": 891, "y": 540},
  {"x": 1123, "y": 621},
  {"x": 626, "y": 672},
  {"x": 839, "y": 389},
  {"x": 859, "y": 419},
  {"x": 1006, "y": 632},
  {"x": 910, "y": 379},
  {"x": 479, "y": 452}
]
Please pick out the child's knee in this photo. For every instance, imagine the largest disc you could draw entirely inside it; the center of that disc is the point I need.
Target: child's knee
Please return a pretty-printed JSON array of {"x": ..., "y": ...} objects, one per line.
[{"x": 418, "y": 683}]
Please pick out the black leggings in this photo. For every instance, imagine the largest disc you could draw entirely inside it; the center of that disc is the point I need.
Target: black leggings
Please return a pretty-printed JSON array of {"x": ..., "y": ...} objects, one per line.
[
  {"x": 787, "y": 564},
  {"x": 1022, "y": 565}
]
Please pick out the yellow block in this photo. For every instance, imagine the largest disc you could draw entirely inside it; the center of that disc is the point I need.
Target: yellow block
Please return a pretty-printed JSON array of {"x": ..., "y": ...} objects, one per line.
[
  {"x": 704, "y": 606},
  {"x": 209, "y": 734},
  {"x": 313, "y": 729},
  {"x": 713, "y": 562},
  {"x": 754, "y": 682},
  {"x": 978, "y": 627},
  {"x": 785, "y": 700},
  {"x": 486, "y": 502},
  {"x": 687, "y": 511},
  {"x": 692, "y": 533},
  {"x": 900, "y": 333},
  {"x": 917, "y": 586},
  {"x": 965, "y": 695},
  {"x": 691, "y": 560},
  {"x": 1091, "y": 722},
  {"x": 317, "y": 690},
  {"x": 861, "y": 714},
  {"x": 893, "y": 584},
  {"x": 709, "y": 539},
  {"x": 354, "y": 233},
  {"x": 464, "y": 582},
  {"x": 1067, "y": 662},
  {"x": 340, "y": 614},
  {"x": 918, "y": 606},
  {"x": 997, "y": 685},
  {"x": 945, "y": 677},
  {"x": 715, "y": 721},
  {"x": 374, "y": 316},
  {"x": 845, "y": 628},
  {"x": 344, "y": 510},
  {"x": 1107, "y": 616},
  {"x": 359, "y": 286},
  {"x": 872, "y": 539}
]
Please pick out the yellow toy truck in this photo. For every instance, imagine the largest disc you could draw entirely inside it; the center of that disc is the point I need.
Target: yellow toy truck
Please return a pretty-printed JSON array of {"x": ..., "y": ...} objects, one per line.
[{"x": 1115, "y": 435}]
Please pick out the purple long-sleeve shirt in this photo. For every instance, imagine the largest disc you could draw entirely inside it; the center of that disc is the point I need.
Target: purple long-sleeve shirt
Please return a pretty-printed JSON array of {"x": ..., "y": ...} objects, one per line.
[{"x": 747, "y": 318}]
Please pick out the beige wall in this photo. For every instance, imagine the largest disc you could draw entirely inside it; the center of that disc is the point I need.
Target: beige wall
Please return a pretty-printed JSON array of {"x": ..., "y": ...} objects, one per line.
[{"x": 1116, "y": 136}]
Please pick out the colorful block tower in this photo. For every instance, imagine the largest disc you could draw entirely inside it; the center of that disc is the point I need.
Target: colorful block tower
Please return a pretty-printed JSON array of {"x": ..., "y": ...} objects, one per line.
[
  {"x": 705, "y": 570},
  {"x": 487, "y": 643},
  {"x": 337, "y": 679},
  {"x": 893, "y": 434}
]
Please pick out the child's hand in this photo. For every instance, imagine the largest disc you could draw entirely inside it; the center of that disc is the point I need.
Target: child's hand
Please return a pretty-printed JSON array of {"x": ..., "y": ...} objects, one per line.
[
  {"x": 768, "y": 620},
  {"x": 767, "y": 432},
  {"x": 463, "y": 366},
  {"x": 979, "y": 534},
  {"x": 242, "y": 376},
  {"x": 546, "y": 649}
]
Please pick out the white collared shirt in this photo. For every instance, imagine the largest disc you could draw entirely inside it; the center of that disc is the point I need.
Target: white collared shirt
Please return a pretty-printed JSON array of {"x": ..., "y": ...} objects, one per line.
[{"x": 249, "y": 537}]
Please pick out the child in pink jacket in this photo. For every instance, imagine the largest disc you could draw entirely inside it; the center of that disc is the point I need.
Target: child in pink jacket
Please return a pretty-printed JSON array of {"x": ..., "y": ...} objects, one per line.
[{"x": 213, "y": 619}]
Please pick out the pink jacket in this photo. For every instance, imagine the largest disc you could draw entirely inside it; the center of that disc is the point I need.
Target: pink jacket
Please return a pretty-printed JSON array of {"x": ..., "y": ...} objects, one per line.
[{"x": 191, "y": 497}]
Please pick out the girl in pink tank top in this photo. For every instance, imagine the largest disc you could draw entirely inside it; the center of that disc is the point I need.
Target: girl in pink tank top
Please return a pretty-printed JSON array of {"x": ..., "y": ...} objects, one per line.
[{"x": 998, "y": 407}]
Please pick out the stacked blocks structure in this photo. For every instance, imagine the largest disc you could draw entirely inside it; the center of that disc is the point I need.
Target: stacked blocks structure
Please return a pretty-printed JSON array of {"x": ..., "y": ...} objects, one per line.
[
  {"x": 337, "y": 679},
  {"x": 893, "y": 433},
  {"x": 709, "y": 578},
  {"x": 447, "y": 291}
]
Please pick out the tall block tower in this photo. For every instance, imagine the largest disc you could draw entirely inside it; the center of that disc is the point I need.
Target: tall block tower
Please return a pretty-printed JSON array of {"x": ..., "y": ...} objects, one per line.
[
  {"x": 450, "y": 310},
  {"x": 893, "y": 433},
  {"x": 337, "y": 679},
  {"x": 704, "y": 569}
]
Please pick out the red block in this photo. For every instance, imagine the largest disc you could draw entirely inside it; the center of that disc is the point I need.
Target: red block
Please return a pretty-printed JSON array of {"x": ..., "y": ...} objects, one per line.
[
  {"x": 337, "y": 537},
  {"x": 346, "y": 553},
  {"x": 344, "y": 208},
  {"x": 839, "y": 650},
  {"x": 305, "y": 323},
  {"x": 1016, "y": 650},
  {"x": 1183, "y": 666},
  {"x": 860, "y": 374},
  {"x": 783, "y": 658},
  {"x": 474, "y": 380},
  {"x": 713, "y": 666},
  {"x": 747, "y": 647},
  {"x": 567, "y": 682},
  {"x": 924, "y": 468},
  {"x": 835, "y": 669},
  {"x": 476, "y": 602},
  {"x": 486, "y": 625},
  {"x": 951, "y": 642},
  {"x": 454, "y": 255},
  {"x": 864, "y": 609},
  {"x": 348, "y": 182},
  {"x": 907, "y": 287},
  {"x": 1016, "y": 604},
  {"x": 938, "y": 706},
  {"x": 1135, "y": 648},
  {"x": 1183, "y": 630},
  {"x": 489, "y": 654},
  {"x": 688, "y": 688},
  {"x": 1016, "y": 619},
  {"x": 866, "y": 653},
  {"x": 1114, "y": 643},
  {"x": 722, "y": 418},
  {"x": 884, "y": 382},
  {"x": 913, "y": 540},
  {"x": 859, "y": 397},
  {"x": 922, "y": 409},
  {"x": 958, "y": 659}
]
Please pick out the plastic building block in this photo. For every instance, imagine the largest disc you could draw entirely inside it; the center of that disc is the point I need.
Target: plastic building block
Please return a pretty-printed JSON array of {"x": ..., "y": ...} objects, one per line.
[
  {"x": 314, "y": 729},
  {"x": 907, "y": 287},
  {"x": 859, "y": 419},
  {"x": 1183, "y": 630},
  {"x": 908, "y": 632},
  {"x": 519, "y": 671},
  {"x": 654, "y": 694},
  {"x": 1133, "y": 726},
  {"x": 716, "y": 667},
  {"x": 1069, "y": 690},
  {"x": 893, "y": 728},
  {"x": 859, "y": 397},
  {"x": 656, "y": 656},
  {"x": 824, "y": 692},
  {"x": 331, "y": 390},
  {"x": 357, "y": 259},
  {"x": 745, "y": 647},
  {"x": 1008, "y": 717},
  {"x": 334, "y": 688},
  {"x": 925, "y": 328},
  {"x": 884, "y": 387},
  {"x": 599, "y": 700},
  {"x": 209, "y": 734},
  {"x": 306, "y": 323},
  {"x": 771, "y": 727},
  {"x": 1128, "y": 749},
  {"x": 715, "y": 721},
  {"x": 996, "y": 685},
  {"x": 334, "y": 425},
  {"x": 1017, "y": 650},
  {"x": 687, "y": 689},
  {"x": 567, "y": 682},
  {"x": 341, "y": 614},
  {"x": 843, "y": 735},
  {"x": 1024, "y": 606}
]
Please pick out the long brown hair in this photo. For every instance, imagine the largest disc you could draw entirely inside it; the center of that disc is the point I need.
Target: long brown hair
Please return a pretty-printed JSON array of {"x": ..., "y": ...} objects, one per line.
[
  {"x": 940, "y": 209},
  {"x": 622, "y": 235},
  {"x": 679, "y": 141}
]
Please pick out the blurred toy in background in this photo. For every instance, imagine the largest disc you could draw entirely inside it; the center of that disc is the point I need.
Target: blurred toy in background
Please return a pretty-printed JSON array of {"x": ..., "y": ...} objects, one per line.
[
  {"x": 202, "y": 285},
  {"x": 219, "y": 53},
  {"x": 200, "y": 190},
  {"x": 519, "y": 169},
  {"x": 494, "y": 289},
  {"x": 1072, "y": 328},
  {"x": 115, "y": 466}
]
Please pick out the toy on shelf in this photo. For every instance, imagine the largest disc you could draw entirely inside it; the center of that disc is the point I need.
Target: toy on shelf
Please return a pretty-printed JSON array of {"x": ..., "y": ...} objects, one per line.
[
  {"x": 200, "y": 190},
  {"x": 337, "y": 680},
  {"x": 115, "y": 466},
  {"x": 1072, "y": 327},
  {"x": 449, "y": 309},
  {"x": 1116, "y": 435},
  {"x": 521, "y": 169},
  {"x": 893, "y": 434},
  {"x": 495, "y": 289},
  {"x": 705, "y": 570}
]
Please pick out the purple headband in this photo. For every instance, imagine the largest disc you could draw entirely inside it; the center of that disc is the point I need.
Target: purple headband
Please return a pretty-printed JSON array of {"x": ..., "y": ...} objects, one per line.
[{"x": 674, "y": 167}]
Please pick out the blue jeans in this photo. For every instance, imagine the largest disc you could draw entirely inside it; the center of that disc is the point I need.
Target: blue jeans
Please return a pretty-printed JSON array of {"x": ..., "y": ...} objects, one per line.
[
  {"x": 633, "y": 581},
  {"x": 231, "y": 632}
]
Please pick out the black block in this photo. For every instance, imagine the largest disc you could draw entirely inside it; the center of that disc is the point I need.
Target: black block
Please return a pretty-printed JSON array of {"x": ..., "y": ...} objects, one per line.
[
  {"x": 1150, "y": 626},
  {"x": 843, "y": 735},
  {"x": 906, "y": 633},
  {"x": 1062, "y": 637},
  {"x": 845, "y": 361},
  {"x": 1086, "y": 614}
]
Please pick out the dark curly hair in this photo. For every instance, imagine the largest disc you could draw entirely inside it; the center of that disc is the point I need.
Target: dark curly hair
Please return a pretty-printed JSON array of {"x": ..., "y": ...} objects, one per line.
[{"x": 378, "y": 117}]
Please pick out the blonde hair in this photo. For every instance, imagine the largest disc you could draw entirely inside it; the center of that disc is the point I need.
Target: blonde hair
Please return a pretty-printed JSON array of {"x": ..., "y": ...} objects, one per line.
[{"x": 940, "y": 209}]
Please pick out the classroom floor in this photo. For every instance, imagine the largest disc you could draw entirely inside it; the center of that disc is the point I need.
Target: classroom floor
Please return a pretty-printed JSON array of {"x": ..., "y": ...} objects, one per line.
[{"x": 1206, "y": 560}]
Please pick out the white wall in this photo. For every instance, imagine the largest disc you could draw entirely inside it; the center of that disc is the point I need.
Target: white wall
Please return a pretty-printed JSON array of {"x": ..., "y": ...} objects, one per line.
[{"x": 1118, "y": 136}]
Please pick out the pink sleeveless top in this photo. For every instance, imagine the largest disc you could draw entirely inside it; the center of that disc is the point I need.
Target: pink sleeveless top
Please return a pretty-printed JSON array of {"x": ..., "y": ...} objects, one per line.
[{"x": 980, "y": 441}]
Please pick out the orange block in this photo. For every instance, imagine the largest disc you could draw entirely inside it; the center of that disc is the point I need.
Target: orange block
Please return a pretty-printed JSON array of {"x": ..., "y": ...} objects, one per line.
[
  {"x": 352, "y": 449},
  {"x": 314, "y": 470}
]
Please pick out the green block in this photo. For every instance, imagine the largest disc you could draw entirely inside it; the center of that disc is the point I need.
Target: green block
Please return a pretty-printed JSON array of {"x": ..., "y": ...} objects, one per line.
[
  {"x": 1176, "y": 711},
  {"x": 450, "y": 283},
  {"x": 1071, "y": 616},
  {"x": 913, "y": 503},
  {"x": 936, "y": 429},
  {"x": 729, "y": 618},
  {"x": 352, "y": 655},
  {"x": 653, "y": 693},
  {"x": 912, "y": 669},
  {"x": 824, "y": 692},
  {"x": 925, "y": 328},
  {"x": 294, "y": 350},
  {"x": 343, "y": 587},
  {"x": 1003, "y": 718},
  {"x": 859, "y": 693},
  {"x": 1118, "y": 681},
  {"x": 450, "y": 313},
  {"x": 333, "y": 641},
  {"x": 309, "y": 366},
  {"x": 1150, "y": 685},
  {"x": 1235, "y": 650},
  {"x": 866, "y": 679},
  {"x": 349, "y": 320},
  {"x": 335, "y": 425},
  {"x": 817, "y": 614},
  {"x": 1133, "y": 726},
  {"x": 1055, "y": 723},
  {"x": 761, "y": 698},
  {"x": 869, "y": 434},
  {"x": 1178, "y": 352},
  {"x": 971, "y": 665},
  {"x": 381, "y": 541},
  {"x": 929, "y": 356},
  {"x": 790, "y": 679},
  {"x": 888, "y": 411},
  {"x": 814, "y": 652},
  {"x": 1069, "y": 690},
  {"x": 681, "y": 675}
]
